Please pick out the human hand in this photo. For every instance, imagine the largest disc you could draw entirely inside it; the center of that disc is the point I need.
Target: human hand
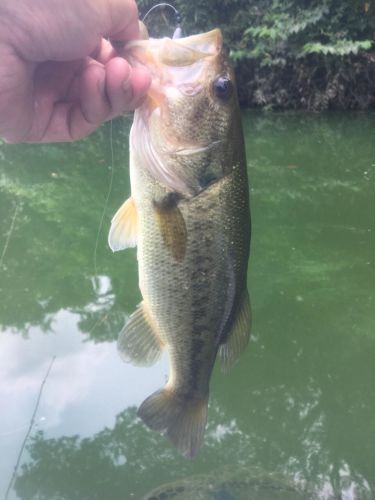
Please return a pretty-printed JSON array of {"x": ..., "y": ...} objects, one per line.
[{"x": 59, "y": 78}]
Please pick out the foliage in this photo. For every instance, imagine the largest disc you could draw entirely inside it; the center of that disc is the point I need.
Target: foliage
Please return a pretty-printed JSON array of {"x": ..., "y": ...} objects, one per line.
[
  {"x": 298, "y": 53},
  {"x": 340, "y": 48},
  {"x": 292, "y": 30}
]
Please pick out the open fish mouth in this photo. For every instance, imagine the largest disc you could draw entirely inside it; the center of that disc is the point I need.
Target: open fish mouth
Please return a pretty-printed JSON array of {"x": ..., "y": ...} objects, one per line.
[
  {"x": 177, "y": 63},
  {"x": 165, "y": 130},
  {"x": 176, "y": 53}
]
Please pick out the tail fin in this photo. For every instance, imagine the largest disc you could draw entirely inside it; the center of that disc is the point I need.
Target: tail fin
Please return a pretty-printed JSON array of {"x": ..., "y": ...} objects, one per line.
[{"x": 179, "y": 417}]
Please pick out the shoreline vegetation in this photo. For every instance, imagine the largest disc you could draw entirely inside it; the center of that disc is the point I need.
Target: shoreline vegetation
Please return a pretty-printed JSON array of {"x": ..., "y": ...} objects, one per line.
[{"x": 294, "y": 54}]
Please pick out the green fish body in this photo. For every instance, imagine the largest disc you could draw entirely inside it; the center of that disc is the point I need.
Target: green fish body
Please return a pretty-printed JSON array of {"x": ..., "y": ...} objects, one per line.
[{"x": 189, "y": 216}]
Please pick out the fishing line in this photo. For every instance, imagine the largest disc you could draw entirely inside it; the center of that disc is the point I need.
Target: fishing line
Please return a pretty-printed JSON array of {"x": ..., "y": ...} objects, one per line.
[
  {"x": 98, "y": 322},
  {"x": 177, "y": 34},
  {"x": 106, "y": 201},
  {"x": 10, "y": 232},
  {"x": 101, "y": 320},
  {"x": 163, "y": 4},
  {"x": 178, "y": 30},
  {"x": 31, "y": 425}
]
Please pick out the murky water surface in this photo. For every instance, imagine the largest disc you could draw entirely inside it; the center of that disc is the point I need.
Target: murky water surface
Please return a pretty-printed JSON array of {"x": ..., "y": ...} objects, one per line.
[{"x": 297, "y": 413}]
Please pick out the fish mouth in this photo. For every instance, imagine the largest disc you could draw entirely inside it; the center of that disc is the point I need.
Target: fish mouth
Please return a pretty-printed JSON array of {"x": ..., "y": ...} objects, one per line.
[
  {"x": 179, "y": 52},
  {"x": 175, "y": 63},
  {"x": 179, "y": 69}
]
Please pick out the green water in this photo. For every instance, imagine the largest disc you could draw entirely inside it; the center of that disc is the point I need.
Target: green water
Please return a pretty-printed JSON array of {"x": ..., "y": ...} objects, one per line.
[{"x": 299, "y": 407}]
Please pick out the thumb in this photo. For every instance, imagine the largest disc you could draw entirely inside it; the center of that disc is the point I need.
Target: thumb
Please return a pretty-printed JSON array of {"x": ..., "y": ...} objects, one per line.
[{"x": 122, "y": 20}]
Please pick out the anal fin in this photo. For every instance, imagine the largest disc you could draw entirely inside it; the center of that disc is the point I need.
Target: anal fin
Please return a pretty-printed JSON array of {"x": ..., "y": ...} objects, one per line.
[
  {"x": 138, "y": 343},
  {"x": 124, "y": 227},
  {"x": 238, "y": 337}
]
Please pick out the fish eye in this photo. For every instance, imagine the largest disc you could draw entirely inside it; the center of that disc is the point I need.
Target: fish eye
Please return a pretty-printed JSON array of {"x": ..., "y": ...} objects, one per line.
[{"x": 223, "y": 88}]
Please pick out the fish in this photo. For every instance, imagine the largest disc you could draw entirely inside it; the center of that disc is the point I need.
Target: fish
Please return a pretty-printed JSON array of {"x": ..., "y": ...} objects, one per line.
[{"x": 189, "y": 216}]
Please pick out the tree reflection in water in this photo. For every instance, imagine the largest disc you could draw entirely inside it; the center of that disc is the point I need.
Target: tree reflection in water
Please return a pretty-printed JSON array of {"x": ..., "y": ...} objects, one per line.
[{"x": 128, "y": 460}]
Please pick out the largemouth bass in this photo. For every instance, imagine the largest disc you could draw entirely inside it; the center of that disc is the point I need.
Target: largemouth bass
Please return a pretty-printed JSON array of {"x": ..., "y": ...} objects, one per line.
[{"x": 189, "y": 216}]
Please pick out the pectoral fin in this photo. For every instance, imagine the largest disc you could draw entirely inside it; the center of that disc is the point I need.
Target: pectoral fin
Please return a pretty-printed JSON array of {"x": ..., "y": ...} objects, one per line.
[
  {"x": 138, "y": 343},
  {"x": 172, "y": 225},
  {"x": 238, "y": 337},
  {"x": 124, "y": 227}
]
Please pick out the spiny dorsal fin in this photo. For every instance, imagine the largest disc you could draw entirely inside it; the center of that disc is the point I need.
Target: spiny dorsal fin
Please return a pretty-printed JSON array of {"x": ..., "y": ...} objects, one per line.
[
  {"x": 138, "y": 343},
  {"x": 172, "y": 225},
  {"x": 124, "y": 227},
  {"x": 238, "y": 337}
]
